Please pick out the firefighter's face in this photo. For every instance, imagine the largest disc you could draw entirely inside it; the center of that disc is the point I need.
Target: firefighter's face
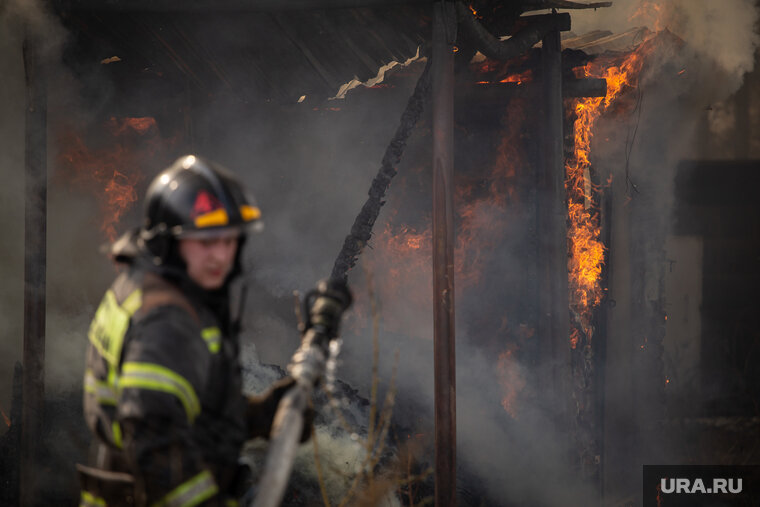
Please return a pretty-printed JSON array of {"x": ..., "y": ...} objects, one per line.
[{"x": 209, "y": 260}]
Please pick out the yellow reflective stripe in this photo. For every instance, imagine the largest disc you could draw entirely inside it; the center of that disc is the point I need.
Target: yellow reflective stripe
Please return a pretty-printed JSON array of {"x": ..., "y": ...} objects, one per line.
[
  {"x": 104, "y": 394},
  {"x": 87, "y": 499},
  {"x": 250, "y": 212},
  {"x": 116, "y": 434},
  {"x": 133, "y": 302},
  {"x": 213, "y": 338},
  {"x": 159, "y": 378},
  {"x": 193, "y": 492},
  {"x": 108, "y": 328},
  {"x": 110, "y": 324},
  {"x": 113, "y": 377},
  {"x": 231, "y": 502},
  {"x": 212, "y": 218}
]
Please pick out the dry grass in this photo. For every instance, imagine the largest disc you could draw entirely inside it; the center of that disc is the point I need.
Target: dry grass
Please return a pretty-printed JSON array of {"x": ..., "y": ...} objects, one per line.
[{"x": 374, "y": 483}]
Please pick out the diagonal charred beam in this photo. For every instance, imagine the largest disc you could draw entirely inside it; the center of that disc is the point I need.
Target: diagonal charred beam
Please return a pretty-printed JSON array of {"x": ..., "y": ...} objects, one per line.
[
  {"x": 361, "y": 231},
  {"x": 519, "y": 43}
]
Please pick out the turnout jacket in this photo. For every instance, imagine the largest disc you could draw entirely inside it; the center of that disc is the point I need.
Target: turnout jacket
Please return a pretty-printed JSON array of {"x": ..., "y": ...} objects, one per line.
[{"x": 163, "y": 390}]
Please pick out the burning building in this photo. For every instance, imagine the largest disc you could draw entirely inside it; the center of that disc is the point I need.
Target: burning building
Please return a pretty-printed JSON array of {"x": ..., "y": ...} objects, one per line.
[{"x": 596, "y": 227}]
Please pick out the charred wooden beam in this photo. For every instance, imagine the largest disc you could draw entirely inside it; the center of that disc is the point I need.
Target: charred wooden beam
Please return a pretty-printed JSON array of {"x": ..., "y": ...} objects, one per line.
[
  {"x": 553, "y": 322},
  {"x": 10, "y": 443},
  {"x": 604, "y": 198},
  {"x": 529, "y": 5},
  {"x": 35, "y": 259},
  {"x": 444, "y": 36},
  {"x": 588, "y": 87},
  {"x": 519, "y": 43},
  {"x": 361, "y": 230},
  {"x": 223, "y": 5},
  {"x": 562, "y": 21},
  {"x": 743, "y": 125},
  {"x": 279, "y": 5},
  {"x": 499, "y": 93}
]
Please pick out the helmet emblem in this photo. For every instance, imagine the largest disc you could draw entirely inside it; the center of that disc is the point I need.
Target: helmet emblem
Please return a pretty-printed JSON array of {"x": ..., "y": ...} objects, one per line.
[{"x": 205, "y": 203}]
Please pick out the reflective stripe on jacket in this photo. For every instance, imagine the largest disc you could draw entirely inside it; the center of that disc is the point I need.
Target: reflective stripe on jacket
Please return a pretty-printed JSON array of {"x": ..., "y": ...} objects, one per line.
[{"x": 163, "y": 390}]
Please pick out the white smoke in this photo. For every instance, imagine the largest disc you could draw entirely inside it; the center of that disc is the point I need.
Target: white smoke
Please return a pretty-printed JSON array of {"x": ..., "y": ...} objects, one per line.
[
  {"x": 723, "y": 32},
  {"x": 17, "y": 19},
  {"x": 310, "y": 172},
  {"x": 71, "y": 225}
]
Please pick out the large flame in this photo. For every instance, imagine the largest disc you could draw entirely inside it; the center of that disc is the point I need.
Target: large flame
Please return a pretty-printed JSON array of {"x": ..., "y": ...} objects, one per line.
[
  {"x": 402, "y": 252},
  {"x": 586, "y": 248}
]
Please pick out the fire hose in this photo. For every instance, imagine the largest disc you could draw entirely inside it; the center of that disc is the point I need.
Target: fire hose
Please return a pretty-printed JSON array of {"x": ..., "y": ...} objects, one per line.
[{"x": 324, "y": 308}]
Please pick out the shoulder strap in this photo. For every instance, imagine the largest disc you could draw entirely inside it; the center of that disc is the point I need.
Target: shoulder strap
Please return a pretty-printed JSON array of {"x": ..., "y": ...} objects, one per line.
[{"x": 159, "y": 292}]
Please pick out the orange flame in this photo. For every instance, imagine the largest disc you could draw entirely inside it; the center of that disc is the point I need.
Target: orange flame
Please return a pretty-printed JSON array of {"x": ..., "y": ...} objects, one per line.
[
  {"x": 510, "y": 373},
  {"x": 511, "y": 381},
  {"x": 5, "y": 418},
  {"x": 141, "y": 125},
  {"x": 519, "y": 78},
  {"x": 651, "y": 14},
  {"x": 403, "y": 252},
  {"x": 113, "y": 172},
  {"x": 586, "y": 249}
]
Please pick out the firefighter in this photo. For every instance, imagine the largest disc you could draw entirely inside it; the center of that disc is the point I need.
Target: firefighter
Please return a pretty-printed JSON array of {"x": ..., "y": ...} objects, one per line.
[{"x": 163, "y": 388}]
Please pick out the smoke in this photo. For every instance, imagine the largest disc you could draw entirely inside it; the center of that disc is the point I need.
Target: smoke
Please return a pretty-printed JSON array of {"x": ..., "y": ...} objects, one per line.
[
  {"x": 66, "y": 309},
  {"x": 18, "y": 19},
  {"x": 72, "y": 268},
  {"x": 340, "y": 461},
  {"x": 11, "y": 206},
  {"x": 641, "y": 145},
  {"x": 309, "y": 168},
  {"x": 32, "y": 17},
  {"x": 721, "y": 32}
]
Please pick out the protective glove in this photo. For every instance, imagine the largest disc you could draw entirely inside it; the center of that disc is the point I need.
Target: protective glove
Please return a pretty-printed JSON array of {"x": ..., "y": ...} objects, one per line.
[
  {"x": 262, "y": 408},
  {"x": 325, "y": 305}
]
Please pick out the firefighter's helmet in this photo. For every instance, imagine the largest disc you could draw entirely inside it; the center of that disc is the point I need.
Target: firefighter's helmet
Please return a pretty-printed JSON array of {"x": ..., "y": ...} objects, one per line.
[{"x": 194, "y": 197}]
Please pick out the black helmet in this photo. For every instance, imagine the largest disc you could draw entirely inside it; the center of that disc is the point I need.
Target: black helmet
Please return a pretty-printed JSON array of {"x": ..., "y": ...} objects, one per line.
[{"x": 194, "y": 197}]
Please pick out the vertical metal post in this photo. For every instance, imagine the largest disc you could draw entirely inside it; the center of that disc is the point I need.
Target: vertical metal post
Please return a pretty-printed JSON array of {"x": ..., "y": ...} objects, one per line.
[
  {"x": 34, "y": 266},
  {"x": 553, "y": 322},
  {"x": 444, "y": 34}
]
